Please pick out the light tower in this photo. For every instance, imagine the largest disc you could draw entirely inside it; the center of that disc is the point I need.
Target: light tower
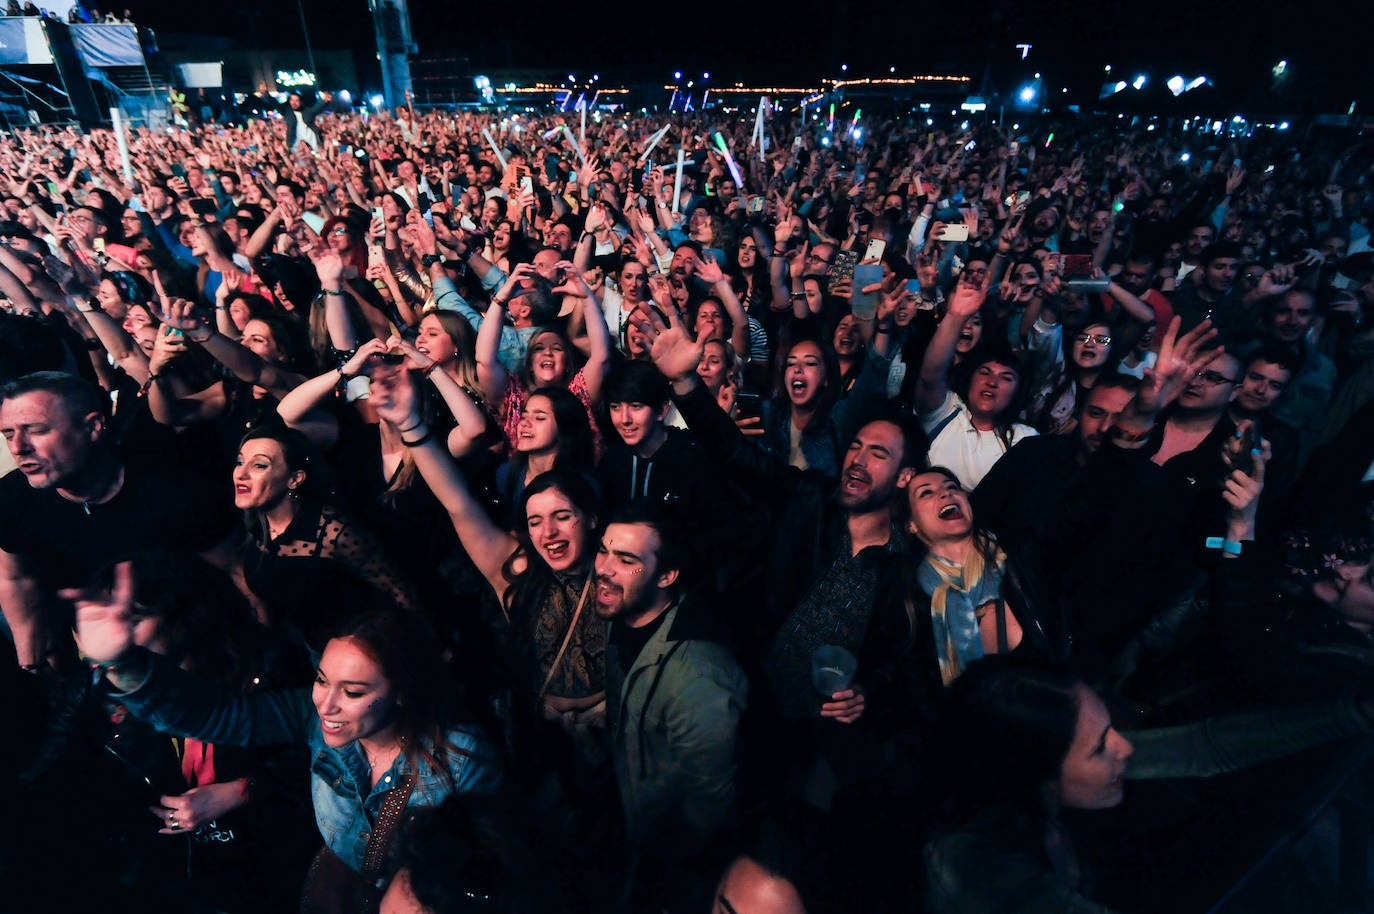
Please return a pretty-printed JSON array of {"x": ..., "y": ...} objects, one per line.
[{"x": 391, "y": 23}]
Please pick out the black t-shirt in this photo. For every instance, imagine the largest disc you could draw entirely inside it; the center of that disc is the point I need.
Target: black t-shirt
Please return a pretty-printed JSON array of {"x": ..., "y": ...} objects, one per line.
[
  {"x": 628, "y": 642},
  {"x": 63, "y": 544}
]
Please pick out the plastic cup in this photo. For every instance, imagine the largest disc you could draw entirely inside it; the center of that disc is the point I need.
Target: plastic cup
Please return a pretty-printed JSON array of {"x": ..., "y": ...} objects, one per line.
[{"x": 832, "y": 669}]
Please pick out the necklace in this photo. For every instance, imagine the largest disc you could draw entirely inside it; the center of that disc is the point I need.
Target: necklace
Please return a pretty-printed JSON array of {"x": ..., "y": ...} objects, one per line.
[
  {"x": 389, "y": 755},
  {"x": 110, "y": 492}
]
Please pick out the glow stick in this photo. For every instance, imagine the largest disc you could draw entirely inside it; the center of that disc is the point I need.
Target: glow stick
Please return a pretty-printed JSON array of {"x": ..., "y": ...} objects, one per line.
[
  {"x": 677, "y": 182},
  {"x": 582, "y": 130},
  {"x": 729, "y": 160},
  {"x": 832, "y": 117},
  {"x": 758, "y": 128},
  {"x": 486, "y": 132},
  {"x": 573, "y": 143},
  {"x": 653, "y": 141}
]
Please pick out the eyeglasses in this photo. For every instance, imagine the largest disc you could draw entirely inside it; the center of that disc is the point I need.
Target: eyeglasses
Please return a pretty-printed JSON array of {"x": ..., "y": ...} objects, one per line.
[
  {"x": 1100, "y": 339},
  {"x": 340, "y": 230},
  {"x": 1214, "y": 377},
  {"x": 811, "y": 257}
]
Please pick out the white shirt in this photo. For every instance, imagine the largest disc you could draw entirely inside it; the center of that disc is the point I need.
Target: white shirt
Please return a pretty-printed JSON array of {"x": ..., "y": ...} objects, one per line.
[
  {"x": 965, "y": 450},
  {"x": 304, "y": 132}
]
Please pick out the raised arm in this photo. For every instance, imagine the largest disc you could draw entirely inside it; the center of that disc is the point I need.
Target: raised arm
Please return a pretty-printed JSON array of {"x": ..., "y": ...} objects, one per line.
[
  {"x": 491, "y": 374},
  {"x": 245, "y": 364},
  {"x": 343, "y": 336},
  {"x": 598, "y": 334},
  {"x": 710, "y": 272},
  {"x": 157, "y": 691},
  {"x": 932, "y": 387},
  {"x": 130, "y": 359},
  {"x": 488, "y": 545}
]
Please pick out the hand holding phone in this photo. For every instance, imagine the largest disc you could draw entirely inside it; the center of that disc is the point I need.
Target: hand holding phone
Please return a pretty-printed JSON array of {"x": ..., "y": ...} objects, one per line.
[{"x": 953, "y": 233}]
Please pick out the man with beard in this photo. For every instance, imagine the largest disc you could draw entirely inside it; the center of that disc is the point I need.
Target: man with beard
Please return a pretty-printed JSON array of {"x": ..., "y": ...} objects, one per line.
[
  {"x": 74, "y": 506},
  {"x": 830, "y": 574},
  {"x": 674, "y": 696}
]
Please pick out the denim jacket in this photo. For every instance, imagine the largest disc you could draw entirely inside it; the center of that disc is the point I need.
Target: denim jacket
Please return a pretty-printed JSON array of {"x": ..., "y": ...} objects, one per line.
[{"x": 345, "y": 802}]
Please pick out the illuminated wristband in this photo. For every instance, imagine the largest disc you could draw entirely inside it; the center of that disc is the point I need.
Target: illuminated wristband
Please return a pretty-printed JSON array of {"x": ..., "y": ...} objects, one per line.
[{"x": 1230, "y": 547}]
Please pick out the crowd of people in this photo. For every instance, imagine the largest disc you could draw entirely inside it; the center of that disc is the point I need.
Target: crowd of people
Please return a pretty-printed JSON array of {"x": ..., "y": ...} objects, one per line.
[{"x": 448, "y": 513}]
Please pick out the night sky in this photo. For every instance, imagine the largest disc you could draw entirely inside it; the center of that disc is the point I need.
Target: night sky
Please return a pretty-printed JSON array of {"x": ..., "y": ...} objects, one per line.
[{"x": 1234, "y": 42}]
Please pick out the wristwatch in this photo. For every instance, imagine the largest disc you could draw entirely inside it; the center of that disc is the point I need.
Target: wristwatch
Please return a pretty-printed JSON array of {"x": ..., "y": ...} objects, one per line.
[{"x": 430, "y": 260}]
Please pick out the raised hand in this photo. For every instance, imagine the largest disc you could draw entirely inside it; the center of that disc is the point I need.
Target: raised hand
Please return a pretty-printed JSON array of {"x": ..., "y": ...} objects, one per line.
[
  {"x": 512, "y": 287},
  {"x": 708, "y": 271},
  {"x": 1180, "y": 358},
  {"x": 329, "y": 268},
  {"x": 104, "y": 622},
  {"x": 358, "y": 362},
  {"x": 671, "y": 347},
  {"x": 1241, "y": 490},
  {"x": 967, "y": 298},
  {"x": 392, "y": 395},
  {"x": 169, "y": 344},
  {"x": 180, "y": 314}
]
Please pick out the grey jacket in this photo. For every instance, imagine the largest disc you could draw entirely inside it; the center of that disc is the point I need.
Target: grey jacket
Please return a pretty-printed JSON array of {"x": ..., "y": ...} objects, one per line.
[{"x": 674, "y": 718}]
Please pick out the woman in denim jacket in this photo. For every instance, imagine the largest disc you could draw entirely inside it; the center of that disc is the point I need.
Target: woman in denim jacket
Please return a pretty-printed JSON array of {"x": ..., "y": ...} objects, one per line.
[{"x": 374, "y": 721}]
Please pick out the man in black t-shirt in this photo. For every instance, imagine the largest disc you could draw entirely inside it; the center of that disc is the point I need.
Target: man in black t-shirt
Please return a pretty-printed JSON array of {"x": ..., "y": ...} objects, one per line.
[{"x": 74, "y": 506}]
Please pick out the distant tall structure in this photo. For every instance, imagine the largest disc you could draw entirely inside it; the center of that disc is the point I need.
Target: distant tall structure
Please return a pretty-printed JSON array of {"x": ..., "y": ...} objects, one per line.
[{"x": 391, "y": 22}]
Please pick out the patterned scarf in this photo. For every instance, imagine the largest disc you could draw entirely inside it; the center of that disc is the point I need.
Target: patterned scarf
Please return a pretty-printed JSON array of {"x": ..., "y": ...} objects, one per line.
[{"x": 959, "y": 596}]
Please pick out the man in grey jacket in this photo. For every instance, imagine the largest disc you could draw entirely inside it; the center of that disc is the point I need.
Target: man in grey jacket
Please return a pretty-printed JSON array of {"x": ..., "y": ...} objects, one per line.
[{"x": 674, "y": 698}]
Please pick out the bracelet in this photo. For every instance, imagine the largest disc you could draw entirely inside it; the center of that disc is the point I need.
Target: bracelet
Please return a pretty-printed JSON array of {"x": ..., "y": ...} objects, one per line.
[
  {"x": 203, "y": 339},
  {"x": 338, "y": 292},
  {"x": 1230, "y": 547},
  {"x": 799, "y": 296},
  {"x": 430, "y": 370},
  {"x": 882, "y": 329},
  {"x": 498, "y": 302},
  {"x": 423, "y": 439},
  {"x": 221, "y": 307}
]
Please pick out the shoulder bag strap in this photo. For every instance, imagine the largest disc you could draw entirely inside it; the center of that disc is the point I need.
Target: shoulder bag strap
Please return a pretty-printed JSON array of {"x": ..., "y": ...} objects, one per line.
[
  {"x": 388, "y": 818},
  {"x": 567, "y": 639}
]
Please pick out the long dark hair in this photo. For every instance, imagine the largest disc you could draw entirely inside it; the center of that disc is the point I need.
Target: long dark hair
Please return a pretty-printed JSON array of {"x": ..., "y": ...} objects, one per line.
[
  {"x": 828, "y": 395},
  {"x": 529, "y": 587},
  {"x": 575, "y": 447},
  {"x": 916, "y": 550},
  {"x": 1005, "y": 727}
]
